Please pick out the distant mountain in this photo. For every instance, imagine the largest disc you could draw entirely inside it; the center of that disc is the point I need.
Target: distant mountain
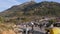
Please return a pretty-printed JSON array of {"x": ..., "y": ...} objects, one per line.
[
  {"x": 16, "y": 9},
  {"x": 33, "y": 9}
]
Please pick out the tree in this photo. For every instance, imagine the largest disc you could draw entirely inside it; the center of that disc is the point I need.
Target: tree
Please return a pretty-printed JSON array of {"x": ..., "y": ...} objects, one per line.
[
  {"x": 1, "y": 19},
  {"x": 52, "y": 21},
  {"x": 25, "y": 19}
]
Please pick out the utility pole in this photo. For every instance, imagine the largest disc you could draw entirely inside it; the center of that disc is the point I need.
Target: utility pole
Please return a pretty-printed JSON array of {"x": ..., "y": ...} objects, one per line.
[{"x": 32, "y": 27}]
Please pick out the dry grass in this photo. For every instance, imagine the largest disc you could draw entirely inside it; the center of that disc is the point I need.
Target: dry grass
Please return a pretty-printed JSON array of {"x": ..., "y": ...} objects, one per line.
[{"x": 4, "y": 26}]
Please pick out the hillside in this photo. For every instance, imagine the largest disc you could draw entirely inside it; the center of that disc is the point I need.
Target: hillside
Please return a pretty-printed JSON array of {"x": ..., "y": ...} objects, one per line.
[
  {"x": 32, "y": 8},
  {"x": 17, "y": 10},
  {"x": 27, "y": 13},
  {"x": 31, "y": 11}
]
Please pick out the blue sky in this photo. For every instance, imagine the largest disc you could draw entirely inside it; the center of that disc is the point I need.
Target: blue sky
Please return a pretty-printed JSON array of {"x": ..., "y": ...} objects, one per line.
[{"x": 5, "y": 4}]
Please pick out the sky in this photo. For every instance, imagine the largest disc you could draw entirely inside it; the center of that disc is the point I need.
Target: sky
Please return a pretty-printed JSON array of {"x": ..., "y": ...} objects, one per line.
[{"x": 5, "y": 4}]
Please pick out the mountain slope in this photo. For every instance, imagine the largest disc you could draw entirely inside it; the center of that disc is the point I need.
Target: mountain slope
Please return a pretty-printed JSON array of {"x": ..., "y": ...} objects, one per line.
[
  {"x": 33, "y": 9},
  {"x": 16, "y": 9}
]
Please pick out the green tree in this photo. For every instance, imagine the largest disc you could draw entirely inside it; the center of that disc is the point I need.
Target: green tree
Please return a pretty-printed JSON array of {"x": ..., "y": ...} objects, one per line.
[
  {"x": 25, "y": 19},
  {"x": 1, "y": 19}
]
